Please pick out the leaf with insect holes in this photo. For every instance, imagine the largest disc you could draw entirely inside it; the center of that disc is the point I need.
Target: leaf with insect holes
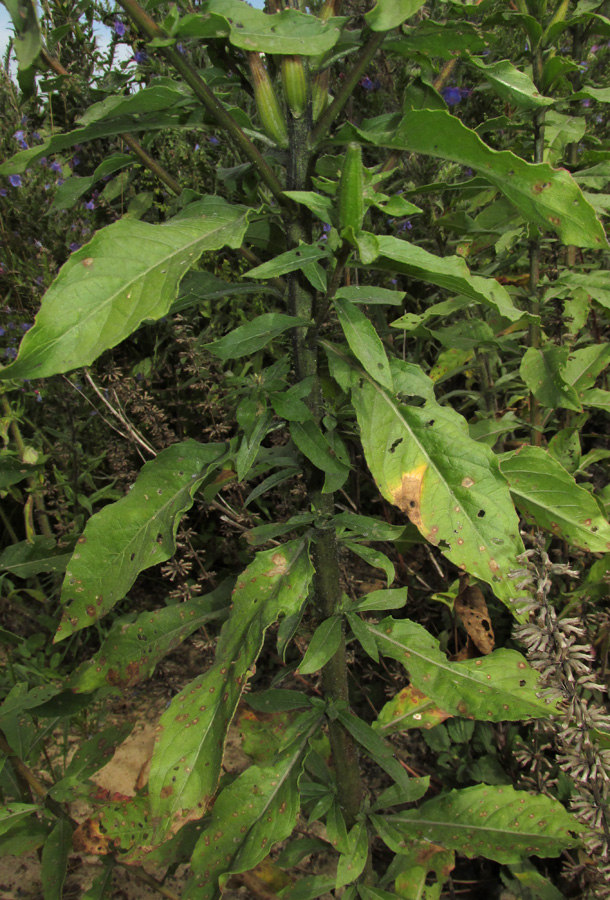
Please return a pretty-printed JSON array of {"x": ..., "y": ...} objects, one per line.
[
  {"x": 88, "y": 759},
  {"x": 547, "y": 494},
  {"x": 127, "y": 273},
  {"x": 122, "y": 825},
  {"x": 130, "y": 652},
  {"x": 136, "y": 532},
  {"x": 256, "y": 811},
  {"x": 424, "y": 461},
  {"x": 497, "y": 822},
  {"x": 495, "y": 688},
  {"x": 186, "y": 763}
]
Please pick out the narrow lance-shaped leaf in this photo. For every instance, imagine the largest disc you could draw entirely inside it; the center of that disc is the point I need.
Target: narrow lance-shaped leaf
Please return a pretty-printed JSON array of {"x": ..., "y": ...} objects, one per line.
[
  {"x": 132, "y": 534},
  {"x": 130, "y": 652},
  {"x": 128, "y": 272},
  {"x": 254, "y": 335},
  {"x": 495, "y": 688},
  {"x": 259, "y": 809},
  {"x": 186, "y": 763},
  {"x": 496, "y": 822},
  {"x": 364, "y": 342},
  {"x": 550, "y": 198},
  {"x": 546, "y": 493},
  {"x": 511, "y": 84},
  {"x": 542, "y": 371},
  {"x": 450, "y": 272},
  {"x": 424, "y": 461}
]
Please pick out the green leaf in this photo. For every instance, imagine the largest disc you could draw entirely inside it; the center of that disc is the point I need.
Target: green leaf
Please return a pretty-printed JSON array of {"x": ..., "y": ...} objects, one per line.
[
  {"x": 27, "y": 41},
  {"x": 13, "y": 470},
  {"x": 449, "y": 272},
  {"x": 584, "y": 365},
  {"x": 200, "y": 287},
  {"x": 362, "y": 635},
  {"x": 377, "y": 600},
  {"x": 496, "y": 822},
  {"x": 498, "y": 687},
  {"x": 547, "y": 197},
  {"x": 388, "y": 14},
  {"x": 286, "y": 32},
  {"x": 547, "y": 494},
  {"x": 324, "y": 644},
  {"x": 119, "y": 825},
  {"x": 154, "y": 108},
  {"x": 332, "y": 460},
  {"x": 371, "y": 294},
  {"x": 440, "y": 39},
  {"x": 128, "y": 272},
  {"x": 20, "y": 698},
  {"x": 320, "y": 205},
  {"x": 364, "y": 342},
  {"x": 73, "y": 188},
  {"x": 374, "y": 745},
  {"x": 130, "y": 653},
  {"x": 29, "y": 558},
  {"x": 101, "y": 889},
  {"x": 12, "y": 813},
  {"x": 91, "y": 756},
  {"x": 398, "y": 794},
  {"x": 543, "y": 372},
  {"x": 132, "y": 534},
  {"x": 511, "y": 84},
  {"x": 410, "y": 708},
  {"x": 256, "y": 334},
  {"x": 309, "y": 887},
  {"x": 374, "y": 558},
  {"x": 187, "y": 758},
  {"x": 256, "y": 811},
  {"x": 55, "y": 852},
  {"x": 291, "y": 261},
  {"x": 424, "y": 461},
  {"x": 352, "y": 526},
  {"x": 353, "y": 859}
]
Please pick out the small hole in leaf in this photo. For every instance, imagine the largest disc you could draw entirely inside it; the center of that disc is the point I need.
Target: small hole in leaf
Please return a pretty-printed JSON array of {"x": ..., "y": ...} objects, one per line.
[
  {"x": 481, "y": 514},
  {"x": 522, "y": 682}
]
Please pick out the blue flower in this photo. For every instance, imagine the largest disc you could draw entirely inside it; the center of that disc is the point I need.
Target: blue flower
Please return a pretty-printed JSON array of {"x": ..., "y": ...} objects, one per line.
[
  {"x": 451, "y": 95},
  {"x": 2, "y": 331},
  {"x": 75, "y": 161},
  {"x": 11, "y": 353},
  {"x": 25, "y": 326},
  {"x": 43, "y": 162},
  {"x": 180, "y": 48},
  {"x": 23, "y": 145},
  {"x": 119, "y": 28},
  {"x": 24, "y": 120},
  {"x": 213, "y": 140},
  {"x": 14, "y": 180},
  {"x": 19, "y": 136},
  {"x": 59, "y": 182},
  {"x": 74, "y": 247},
  {"x": 586, "y": 103},
  {"x": 3, "y": 192},
  {"x": 90, "y": 205},
  {"x": 196, "y": 148},
  {"x": 140, "y": 57},
  {"x": 35, "y": 136},
  {"x": 56, "y": 167}
]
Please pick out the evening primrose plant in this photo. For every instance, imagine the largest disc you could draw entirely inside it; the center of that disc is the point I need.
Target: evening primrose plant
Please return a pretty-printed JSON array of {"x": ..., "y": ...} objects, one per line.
[{"x": 348, "y": 368}]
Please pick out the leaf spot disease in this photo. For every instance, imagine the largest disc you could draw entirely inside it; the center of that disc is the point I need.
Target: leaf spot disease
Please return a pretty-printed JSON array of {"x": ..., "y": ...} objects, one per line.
[
  {"x": 407, "y": 496},
  {"x": 467, "y": 482}
]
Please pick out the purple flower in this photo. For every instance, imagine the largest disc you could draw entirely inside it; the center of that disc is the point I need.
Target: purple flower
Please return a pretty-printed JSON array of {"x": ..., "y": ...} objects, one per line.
[
  {"x": 3, "y": 192},
  {"x": 451, "y": 95},
  {"x": 406, "y": 225},
  {"x": 2, "y": 331},
  {"x": 119, "y": 28},
  {"x": 213, "y": 140},
  {"x": 140, "y": 57},
  {"x": 24, "y": 120},
  {"x": 196, "y": 148},
  {"x": 468, "y": 172},
  {"x": 14, "y": 180},
  {"x": 43, "y": 162},
  {"x": 35, "y": 136},
  {"x": 74, "y": 247},
  {"x": 47, "y": 186},
  {"x": 393, "y": 280},
  {"x": 180, "y": 48},
  {"x": 25, "y": 326},
  {"x": 23, "y": 145},
  {"x": 19, "y": 136},
  {"x": 59, "y": 183},
  {"x": 368, "y": 84},
  {"x": 11, "y": 353},
  {"x": 56, "y": 167},
  {"x": 586, "y": 103},
  {"x": 75, "y": 161},
  {"x": 11, "y": 326},
  {"x": 594, "y": 48},
  {"x": 90, "y": 205}
]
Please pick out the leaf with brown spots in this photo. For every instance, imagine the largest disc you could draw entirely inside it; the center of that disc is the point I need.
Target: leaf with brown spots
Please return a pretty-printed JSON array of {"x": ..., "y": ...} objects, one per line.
[
  {"x": 118, "y": 825},
  {"x": 497, "y": 822},
  {"x": 136, "y": 532},
  {"x": 186, "y": 763},
  {"x": 472, "y": 609},
  {"x": 449, "y": 485},
  {"x": 256, "y": 811},
  {"x": 495, "y": 688},
  {"x": 547, "y": 494},
  {"x": 410, "y": 708}
]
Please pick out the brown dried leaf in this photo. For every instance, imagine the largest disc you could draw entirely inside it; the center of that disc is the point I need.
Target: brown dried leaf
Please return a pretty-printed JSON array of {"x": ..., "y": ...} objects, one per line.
[{"x": 472, "y": 609}]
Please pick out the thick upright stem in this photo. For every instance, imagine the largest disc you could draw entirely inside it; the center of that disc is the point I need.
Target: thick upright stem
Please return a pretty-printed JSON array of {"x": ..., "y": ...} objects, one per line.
[
  {"x": 534, "y": 256},
  {"x": 327, "y": 585}
]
